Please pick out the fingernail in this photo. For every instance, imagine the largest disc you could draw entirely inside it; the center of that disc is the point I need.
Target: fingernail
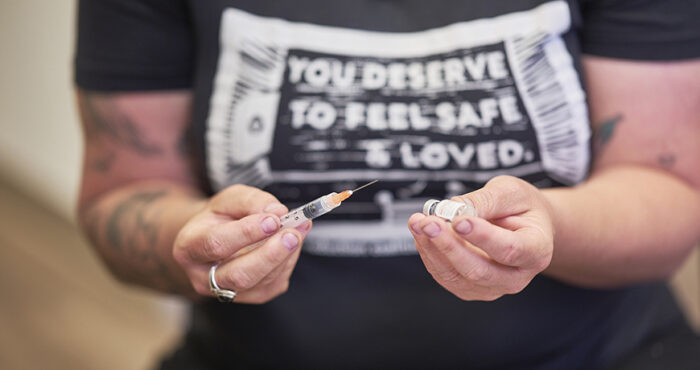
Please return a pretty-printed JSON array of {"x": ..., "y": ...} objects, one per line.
[
  {"x": 416, "y": 228},
  {"x": 463, "y": 227},
  {"x": 290, "y": 241},
  {"x": 272, "y": 206},
  {"x": 432, "y": 229},
  {"x": 268, "y": 225}
]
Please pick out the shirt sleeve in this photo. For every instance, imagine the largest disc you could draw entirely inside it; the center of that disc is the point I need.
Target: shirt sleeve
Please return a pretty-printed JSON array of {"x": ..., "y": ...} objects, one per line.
[
  {"x": 133, "y": 45},
  {"x": 641, "y": 29}
]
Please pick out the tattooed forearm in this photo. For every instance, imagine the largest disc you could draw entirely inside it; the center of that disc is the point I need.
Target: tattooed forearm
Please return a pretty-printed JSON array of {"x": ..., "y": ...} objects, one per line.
[
  {"x": 104, "y": 162},
  {"x": 136, "y": 191},
  {"x": 133, "y": 210},
  {"x": 605, "y": 132},
  {"x": 105, "y": 121},
  {"x": 130, "y": 233}
]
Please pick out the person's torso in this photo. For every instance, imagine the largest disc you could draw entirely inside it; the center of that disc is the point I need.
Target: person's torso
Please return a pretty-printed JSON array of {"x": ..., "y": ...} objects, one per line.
[{"x": 433, "y": 99}]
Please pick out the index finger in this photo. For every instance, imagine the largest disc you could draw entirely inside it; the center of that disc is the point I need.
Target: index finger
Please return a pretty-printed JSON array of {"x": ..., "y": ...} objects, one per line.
[
  {"x": 518, "y": 248},
  {"x": 245, "y": 272},
  {"x": 219, "y": 242}
]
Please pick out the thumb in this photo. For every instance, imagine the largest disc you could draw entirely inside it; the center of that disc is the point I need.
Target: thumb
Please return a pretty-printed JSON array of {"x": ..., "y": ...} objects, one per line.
[{"x": 501, "y": 196}]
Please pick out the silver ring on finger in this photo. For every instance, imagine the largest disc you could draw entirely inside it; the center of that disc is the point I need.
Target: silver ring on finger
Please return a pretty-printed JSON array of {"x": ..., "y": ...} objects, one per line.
[{"x": 223, "y": 295}]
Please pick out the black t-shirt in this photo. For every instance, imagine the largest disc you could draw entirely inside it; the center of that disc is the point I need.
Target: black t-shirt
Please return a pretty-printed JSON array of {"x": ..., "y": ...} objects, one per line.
[{"x": 433, "y": 98}]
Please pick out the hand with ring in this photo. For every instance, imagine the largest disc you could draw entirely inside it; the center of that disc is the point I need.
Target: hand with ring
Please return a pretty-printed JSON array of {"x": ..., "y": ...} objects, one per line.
[{"x": 232, "y": 249}]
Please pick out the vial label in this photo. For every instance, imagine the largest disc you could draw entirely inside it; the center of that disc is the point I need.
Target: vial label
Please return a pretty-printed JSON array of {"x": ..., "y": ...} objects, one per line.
[{"x": 447, "y": 209}]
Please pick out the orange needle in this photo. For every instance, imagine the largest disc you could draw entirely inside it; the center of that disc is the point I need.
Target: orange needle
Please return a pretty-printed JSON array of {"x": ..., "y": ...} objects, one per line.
[{"x": 338, "y": 198}]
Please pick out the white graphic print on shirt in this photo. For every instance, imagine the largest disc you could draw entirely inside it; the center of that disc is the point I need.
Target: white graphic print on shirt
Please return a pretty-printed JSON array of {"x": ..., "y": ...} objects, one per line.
[{"x": 311, "y": 109}]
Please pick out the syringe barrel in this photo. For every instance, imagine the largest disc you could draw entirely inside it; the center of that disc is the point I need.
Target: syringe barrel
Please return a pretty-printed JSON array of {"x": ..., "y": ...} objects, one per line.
[
  {"x": 318, "y": 207},
  {"x": 308, "y": 211}
]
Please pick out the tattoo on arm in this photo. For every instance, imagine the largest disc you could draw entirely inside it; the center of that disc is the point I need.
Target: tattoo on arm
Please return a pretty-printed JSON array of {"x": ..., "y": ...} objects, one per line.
[
  {"x": 605, "y": 132},
  {"x": 132, "y": 231},
  {"x": 667, "y": 160},
  {"x": 133, "y": 208},
  {"x": 104, "y": 162},
  {"x": 104, "y": 121}
]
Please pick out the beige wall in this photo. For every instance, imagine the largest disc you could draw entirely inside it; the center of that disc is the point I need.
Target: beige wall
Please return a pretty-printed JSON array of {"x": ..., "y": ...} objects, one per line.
[
  {"x": 39, "y": 138},
  {"x": 59, "y": 309}
]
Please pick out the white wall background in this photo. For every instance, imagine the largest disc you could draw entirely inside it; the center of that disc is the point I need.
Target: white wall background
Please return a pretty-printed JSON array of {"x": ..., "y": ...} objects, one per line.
[{"x": 40, "y": 142}]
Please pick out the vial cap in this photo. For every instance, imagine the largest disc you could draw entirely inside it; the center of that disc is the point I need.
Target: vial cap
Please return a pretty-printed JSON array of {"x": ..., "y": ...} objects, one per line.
[{"x": 429, "y": 207}]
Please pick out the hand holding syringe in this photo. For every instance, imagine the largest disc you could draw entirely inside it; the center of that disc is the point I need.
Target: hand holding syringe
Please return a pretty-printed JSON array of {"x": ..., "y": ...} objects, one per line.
[
  {"x": 309, "y": 211},
  {"x": 235, "y": 221},
  {"x": 317, "y": 207}
]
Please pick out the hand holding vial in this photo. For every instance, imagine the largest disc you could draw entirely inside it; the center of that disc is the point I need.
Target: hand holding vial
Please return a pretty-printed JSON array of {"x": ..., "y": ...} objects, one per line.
[{"x": 499, "y": 238}]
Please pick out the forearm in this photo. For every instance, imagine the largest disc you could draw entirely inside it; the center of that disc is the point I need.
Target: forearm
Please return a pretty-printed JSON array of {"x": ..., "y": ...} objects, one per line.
[
  {"x": 133, "y": 229},
  {"x": 624, "y": 225}
]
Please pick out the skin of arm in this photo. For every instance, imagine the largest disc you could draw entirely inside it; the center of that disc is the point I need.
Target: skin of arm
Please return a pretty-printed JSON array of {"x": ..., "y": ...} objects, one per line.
[
  {"x": 638, "y": 215},
  {"x": 137, "y": 187},
  {"x": 635, "y": 219},
  {"x": 141, "y": 208}
]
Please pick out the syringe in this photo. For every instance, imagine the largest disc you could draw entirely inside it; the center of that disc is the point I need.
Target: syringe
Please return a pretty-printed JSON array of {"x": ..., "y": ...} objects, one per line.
[
  {"x": 317, "y": 207},
  {"x": 309, "y": 211}
]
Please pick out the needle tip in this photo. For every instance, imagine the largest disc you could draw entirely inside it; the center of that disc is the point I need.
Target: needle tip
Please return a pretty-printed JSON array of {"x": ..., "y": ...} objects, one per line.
[{"x": 366, "y": 185}]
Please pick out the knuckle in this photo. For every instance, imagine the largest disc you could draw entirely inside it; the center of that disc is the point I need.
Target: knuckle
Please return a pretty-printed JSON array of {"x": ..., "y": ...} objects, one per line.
[
  {"x": 508, "y": 185},
  {"x": 237, "y": 189},
  {"x": 543, "y": 263},
  {"x": 501, "y": 180},
  {"x": 479, "y": 273},
  {"x": 274, "y": 256},
  {"x": 241, "y": 279},
  {"x": 180, "y": 255},
  {"x": 269, "y": 279},
  {"x": 513, "y": 254},
  {"x": 255, "y": 199},
  {"x": 448, "y": 276},
  {"x": 430, "y": 267},
  {"x": 250, "y": 231},
  {"x": 282, "y": 287},
  {"x": 181, "y": 246},
  {"x": 460, "y": 199},
  {"x": 511, "y": 186},
  {"x": 228, "y": 192},
  {"x": 214, "y": 247},
  {"x": 513, "y": 287},
  {"x": 483, "y": 199}
]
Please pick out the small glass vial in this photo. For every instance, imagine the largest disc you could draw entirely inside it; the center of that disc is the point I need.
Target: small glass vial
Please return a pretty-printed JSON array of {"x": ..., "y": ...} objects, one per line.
[{"x": 447, "y": 209}]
